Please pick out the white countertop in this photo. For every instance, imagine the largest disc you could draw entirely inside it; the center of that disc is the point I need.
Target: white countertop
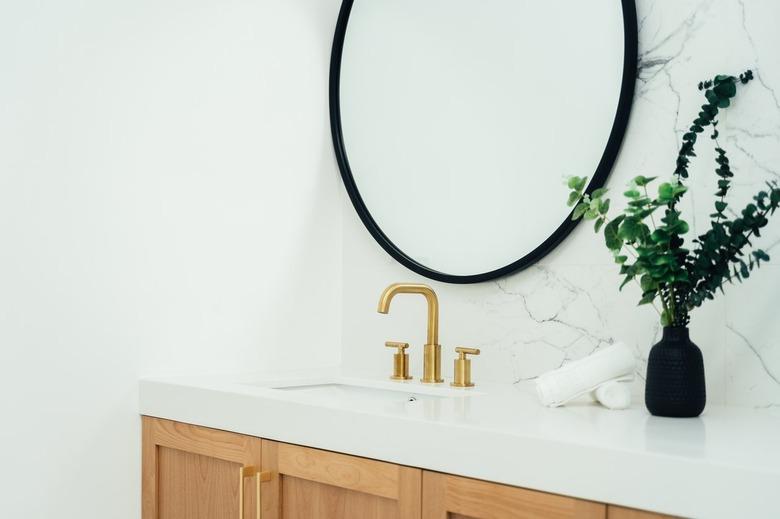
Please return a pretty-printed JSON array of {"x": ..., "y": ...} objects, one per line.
[{"x": 725, "y": 464}]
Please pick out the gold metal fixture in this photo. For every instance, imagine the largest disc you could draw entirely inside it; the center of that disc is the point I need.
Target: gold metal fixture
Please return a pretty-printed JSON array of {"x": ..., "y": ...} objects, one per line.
[
  {"x": 463, "y": 367},
  {"x": 400, "y": 360},
  {"x": 432, "y": 348},
  {"x": 260, "y": 476}
]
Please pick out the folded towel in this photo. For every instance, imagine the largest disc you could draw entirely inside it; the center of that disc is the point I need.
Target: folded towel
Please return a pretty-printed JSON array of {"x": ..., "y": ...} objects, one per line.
[
  {"x": 582, "y": 376},
  {"x": 615, "y": 394}
]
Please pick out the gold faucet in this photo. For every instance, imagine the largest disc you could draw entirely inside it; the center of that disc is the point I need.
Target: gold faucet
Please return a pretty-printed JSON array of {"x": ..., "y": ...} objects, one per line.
[{"x": 432, "y": 348}]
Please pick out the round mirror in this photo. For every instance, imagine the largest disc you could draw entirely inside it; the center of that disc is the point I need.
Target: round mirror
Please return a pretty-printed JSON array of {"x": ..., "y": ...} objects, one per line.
[{"x": 456, "y": 122}]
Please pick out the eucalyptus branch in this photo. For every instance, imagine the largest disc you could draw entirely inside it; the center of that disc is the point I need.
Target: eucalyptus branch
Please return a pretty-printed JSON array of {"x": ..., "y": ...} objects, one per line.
[
  {"x": 730, "y": 250},
  {"x": 661, "y": 265}
]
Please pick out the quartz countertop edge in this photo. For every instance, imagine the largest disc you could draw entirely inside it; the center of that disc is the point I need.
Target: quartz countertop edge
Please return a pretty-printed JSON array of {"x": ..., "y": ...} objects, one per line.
[{"x": 724, "y": 464}]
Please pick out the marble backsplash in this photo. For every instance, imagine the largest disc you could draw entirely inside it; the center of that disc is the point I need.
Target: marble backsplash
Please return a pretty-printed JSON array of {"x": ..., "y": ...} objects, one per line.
[{"x": 568, "y": 305}]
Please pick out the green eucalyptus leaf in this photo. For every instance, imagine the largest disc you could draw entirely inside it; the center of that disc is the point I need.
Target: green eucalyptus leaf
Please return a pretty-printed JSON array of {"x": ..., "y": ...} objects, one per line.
[
  {"x": 760, "y": 255},
  {"x": 643, "y": 181},
  {"x": 573, "y": 182},
  {"x": 630, "y": 229},
  {"x": 743, "y": 269},
  {"x": 665, "y": 192},
  {"x": 611, "y": 235},
  {"x": 580, "y": 210},
  {"x": 648, "y": 297},
  {"x": 647, "y": 283},
  {"x": 660, "y": 236},
  {"x": 726, "y": 89}
]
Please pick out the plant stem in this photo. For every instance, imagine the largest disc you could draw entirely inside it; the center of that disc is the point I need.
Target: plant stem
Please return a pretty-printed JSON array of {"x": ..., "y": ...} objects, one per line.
[
  {"x": 665, "y": 306},
  {"x": 652, "y": 218},
  {"x": 722, "y": 198}
]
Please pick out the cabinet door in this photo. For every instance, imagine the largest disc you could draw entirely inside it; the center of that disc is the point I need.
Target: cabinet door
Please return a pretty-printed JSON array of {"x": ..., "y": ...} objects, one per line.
[
  {"x": 453, "y": 497},
  {"x": 192, "y": 472},
  {"x": 309, "y": 483},
  {"x": 617, "y": 512}
]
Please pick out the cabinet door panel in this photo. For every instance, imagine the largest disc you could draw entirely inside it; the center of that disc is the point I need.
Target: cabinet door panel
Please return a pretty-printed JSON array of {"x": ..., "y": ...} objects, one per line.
[
  {"x": 308, "y": 483},
  {"x": 191, "y": 485},
  {"x": 453, "y": 497},
  {"x": 618, "y": 512},
  {"x": 192, "y": 472}
]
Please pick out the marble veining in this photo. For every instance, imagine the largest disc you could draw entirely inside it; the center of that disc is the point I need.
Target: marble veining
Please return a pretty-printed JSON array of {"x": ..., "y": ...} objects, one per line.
[{"x": 568, "y": 305}]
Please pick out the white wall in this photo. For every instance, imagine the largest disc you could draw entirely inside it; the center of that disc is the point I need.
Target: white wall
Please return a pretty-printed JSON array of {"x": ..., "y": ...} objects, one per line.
[
  {"x": 568, "y": 305},
  {"x": 167, "y": 195}
]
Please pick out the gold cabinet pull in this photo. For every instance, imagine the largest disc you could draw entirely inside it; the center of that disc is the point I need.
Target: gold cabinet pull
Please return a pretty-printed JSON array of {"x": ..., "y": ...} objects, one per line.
[{"x": 260, "y": 476}]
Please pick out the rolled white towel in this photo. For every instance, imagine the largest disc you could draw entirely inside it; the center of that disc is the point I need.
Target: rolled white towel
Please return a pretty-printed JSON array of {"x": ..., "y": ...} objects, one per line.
[
  {"x": 585, "y": 375},
  {"x": 615, "y": 394}
]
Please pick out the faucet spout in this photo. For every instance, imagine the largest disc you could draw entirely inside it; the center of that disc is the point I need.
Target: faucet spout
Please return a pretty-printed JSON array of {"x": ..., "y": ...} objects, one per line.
[
  {"x": 414, "y": 288},
  {"x": 432, "y": 352}
]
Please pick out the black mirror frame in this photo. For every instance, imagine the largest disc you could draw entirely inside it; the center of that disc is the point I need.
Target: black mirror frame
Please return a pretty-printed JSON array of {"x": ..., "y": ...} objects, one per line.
[{"x": 598, "y": 179}]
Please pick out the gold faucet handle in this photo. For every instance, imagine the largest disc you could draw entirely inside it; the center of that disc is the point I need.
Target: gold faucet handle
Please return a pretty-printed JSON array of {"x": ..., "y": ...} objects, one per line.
[
  {"x": 400, "y": 345},
  {"x": 400, "y": 360},
  {"x": 466, "y": 351},
  {"x": 463, "y": 367}
]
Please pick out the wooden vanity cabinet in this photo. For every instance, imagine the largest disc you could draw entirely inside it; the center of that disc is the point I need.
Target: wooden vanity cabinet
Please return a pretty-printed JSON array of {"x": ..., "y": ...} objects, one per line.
[
  {"x": 311, "y": 483},
  {"x": 454, "y": 497},
  {"x": 192, "y": 472}
]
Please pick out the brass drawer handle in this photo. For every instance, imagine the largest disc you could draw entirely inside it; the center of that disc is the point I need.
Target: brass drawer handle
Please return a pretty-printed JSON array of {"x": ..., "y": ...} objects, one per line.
[{"x": 260, "y": 476}]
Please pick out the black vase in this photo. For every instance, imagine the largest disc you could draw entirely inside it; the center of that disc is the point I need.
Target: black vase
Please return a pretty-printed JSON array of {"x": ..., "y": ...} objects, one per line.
[{"x": 675, "y": 376}]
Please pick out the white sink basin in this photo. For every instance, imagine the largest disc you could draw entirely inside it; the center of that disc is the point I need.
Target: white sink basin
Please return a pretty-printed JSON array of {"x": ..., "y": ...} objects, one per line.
[
  {"x": 367, "y": 394},
  {"x": 358, "y": 394}
]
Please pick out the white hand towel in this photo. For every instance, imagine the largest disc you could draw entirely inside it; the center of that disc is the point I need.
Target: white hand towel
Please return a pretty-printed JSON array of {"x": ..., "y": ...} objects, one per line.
[
  {"x": 582, "y": 376},
  {"x": 614, "y": 394}
]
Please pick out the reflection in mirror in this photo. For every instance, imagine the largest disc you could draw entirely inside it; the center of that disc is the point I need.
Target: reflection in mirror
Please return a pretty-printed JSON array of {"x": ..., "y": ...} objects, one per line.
[{"x": 459, "y": 120}]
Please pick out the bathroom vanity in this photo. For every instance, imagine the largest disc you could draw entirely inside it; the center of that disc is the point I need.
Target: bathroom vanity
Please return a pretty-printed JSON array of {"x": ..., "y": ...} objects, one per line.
[
  {"x": 196, "y": 472},
  {"x": 319, "y": 444}
]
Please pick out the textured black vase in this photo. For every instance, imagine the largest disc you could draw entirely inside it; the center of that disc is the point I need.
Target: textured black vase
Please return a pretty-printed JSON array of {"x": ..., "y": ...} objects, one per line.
[{"x": 675, "y": 376}]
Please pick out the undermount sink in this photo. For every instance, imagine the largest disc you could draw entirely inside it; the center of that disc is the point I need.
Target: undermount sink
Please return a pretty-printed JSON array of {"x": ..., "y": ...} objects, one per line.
[
  {"x": 348, "y": 392},
  {"x": 367, "y": 394}
]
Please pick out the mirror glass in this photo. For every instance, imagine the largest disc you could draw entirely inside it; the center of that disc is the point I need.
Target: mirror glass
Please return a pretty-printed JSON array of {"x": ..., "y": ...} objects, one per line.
[{"x": 456, "y": 123}]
